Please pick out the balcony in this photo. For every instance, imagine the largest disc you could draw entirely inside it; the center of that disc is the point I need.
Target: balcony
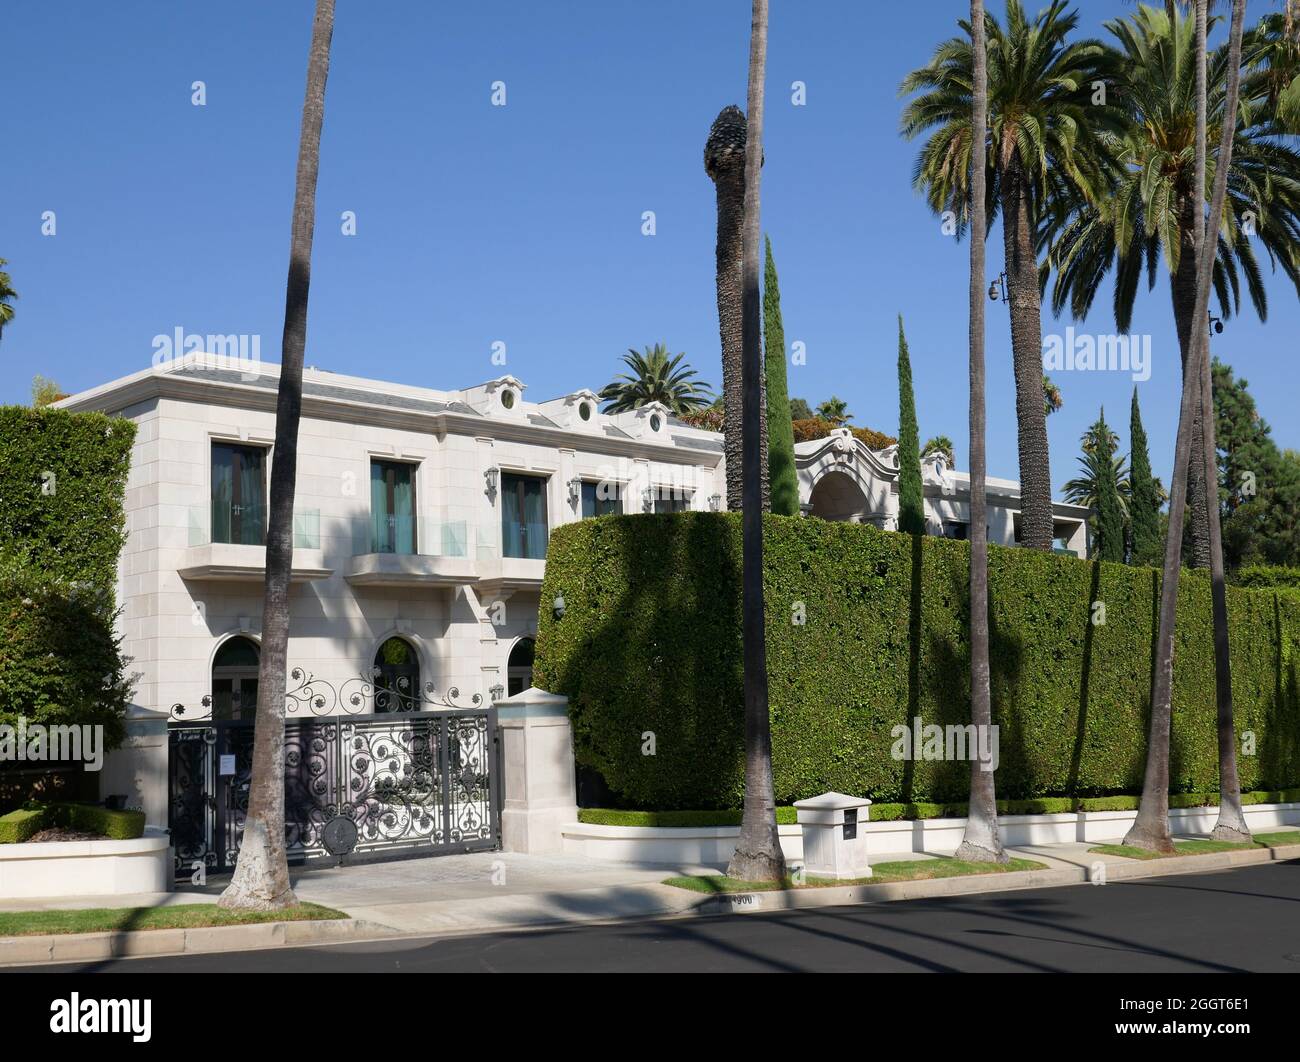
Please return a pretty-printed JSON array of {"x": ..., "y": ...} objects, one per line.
[
  {"x": 225, "y": 562},
  {"x": 498, "y": 575},
  {"x": 400, "y": 553}
]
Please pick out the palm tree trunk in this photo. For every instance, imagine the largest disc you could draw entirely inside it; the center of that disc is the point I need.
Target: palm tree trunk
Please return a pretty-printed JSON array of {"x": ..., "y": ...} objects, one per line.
[
  {"x": 1183, "y": 289},
  {"x": 1232, "y": 821},
  {"x": 980, "y": 841},
  {"x": 1151, "y": 830},
  {"x": 724, "y": 161},
  {"x": 758, "y": 855},
  {"x": 261, "y": 878},
  {"x": 1036, "y": 523}
]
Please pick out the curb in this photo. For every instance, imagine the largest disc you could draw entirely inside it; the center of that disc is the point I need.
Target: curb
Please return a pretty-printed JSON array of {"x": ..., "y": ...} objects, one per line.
[
  {"x": 673, "y": 903},
  {"x": 95, "y": 947}
]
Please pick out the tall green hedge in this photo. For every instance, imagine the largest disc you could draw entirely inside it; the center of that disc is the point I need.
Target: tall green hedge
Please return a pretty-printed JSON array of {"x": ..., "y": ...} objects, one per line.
[
  {"x": 62, "y": 526},
  {"x": 650, "y": 643},
  {"x": 62, "y": 482}
]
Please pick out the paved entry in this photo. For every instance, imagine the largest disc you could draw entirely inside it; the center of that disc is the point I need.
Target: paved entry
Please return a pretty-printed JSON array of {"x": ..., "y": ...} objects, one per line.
[{"x": 357, "y": 787}]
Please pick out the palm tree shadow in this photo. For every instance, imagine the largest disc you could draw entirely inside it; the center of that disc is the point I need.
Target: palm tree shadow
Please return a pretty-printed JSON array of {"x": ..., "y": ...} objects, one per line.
[{"x": 1081, "y": 721}]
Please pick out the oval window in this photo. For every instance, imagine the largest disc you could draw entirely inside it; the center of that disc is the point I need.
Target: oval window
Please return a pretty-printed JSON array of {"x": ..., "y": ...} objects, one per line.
[
  {"x": 584, "y": 411},
  {"x": 508, "y": 399},
  {"x": 654, "y": 422}
]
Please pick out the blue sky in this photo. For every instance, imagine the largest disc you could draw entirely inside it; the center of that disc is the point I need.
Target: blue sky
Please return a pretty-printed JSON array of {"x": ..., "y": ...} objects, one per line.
[{"x": 519, "y": 224}]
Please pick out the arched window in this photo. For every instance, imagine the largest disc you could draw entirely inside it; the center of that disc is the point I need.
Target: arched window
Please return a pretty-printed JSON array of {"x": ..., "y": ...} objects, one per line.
[
  {"x": 234, "y": 680},
  {"x": 397, "y": 677},
  {"x": 519, "y": 670}
]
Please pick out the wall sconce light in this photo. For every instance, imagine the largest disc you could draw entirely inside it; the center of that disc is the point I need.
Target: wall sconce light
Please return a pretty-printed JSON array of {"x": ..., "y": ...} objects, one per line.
[
  {"x": 490, "y": 476},
  {"x": 648, "y": 498},
  {"x": 495, "y": 692},
  {"x": 558, "y": 606},
  {"x": 715, "y": 503},
  {"x": 575, "y": 490}
]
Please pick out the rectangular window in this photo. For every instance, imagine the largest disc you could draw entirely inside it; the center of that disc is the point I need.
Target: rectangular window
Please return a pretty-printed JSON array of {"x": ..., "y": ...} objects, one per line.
[
  {"x": 392, "y": 507},
  {"x": 672, "y": 500},
  {"x": 523, "y": 516},
  {"x": 238, "y": 494},
  {"x": 600, "y": 499}
]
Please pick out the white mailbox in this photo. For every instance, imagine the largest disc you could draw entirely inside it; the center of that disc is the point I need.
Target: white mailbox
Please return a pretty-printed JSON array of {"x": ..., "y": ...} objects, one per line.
[{"x": 834, "y": 843}]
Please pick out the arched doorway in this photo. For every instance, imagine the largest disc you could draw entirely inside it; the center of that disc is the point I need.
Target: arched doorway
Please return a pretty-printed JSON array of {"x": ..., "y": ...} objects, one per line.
[
  {"x": 397, "y": 676},
  {"x": 519, "y": 669},
  {"x": 234, "y": 680},
  {"x": 837, "y": 496}
]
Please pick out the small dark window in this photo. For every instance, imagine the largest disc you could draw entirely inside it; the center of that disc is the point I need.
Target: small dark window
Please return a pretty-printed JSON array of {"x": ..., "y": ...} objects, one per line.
[
  {"x": 601, "y": 498},
  {"x": 392, "y": 507},
  {"x": 397, "y": 677},
  {"x": 523, "y": 516},
  {"x": 672, "y": 500},
  {"x": 238, "y": 494},
  {"x": 519, "y": 669},
  {"x": 655, "y": 422},
  {"x": 508, "y": 399}
]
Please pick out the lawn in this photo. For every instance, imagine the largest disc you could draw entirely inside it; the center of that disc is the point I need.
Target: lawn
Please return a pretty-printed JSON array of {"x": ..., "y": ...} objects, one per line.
[
  {"x": 882, "y": 874},
  {"x": 1200, "y": 847},
  {"x": 129, "y": 919}
]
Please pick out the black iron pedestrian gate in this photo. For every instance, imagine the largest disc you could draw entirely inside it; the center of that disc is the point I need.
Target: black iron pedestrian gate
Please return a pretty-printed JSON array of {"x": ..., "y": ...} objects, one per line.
[{"x": 357, "y": 787}]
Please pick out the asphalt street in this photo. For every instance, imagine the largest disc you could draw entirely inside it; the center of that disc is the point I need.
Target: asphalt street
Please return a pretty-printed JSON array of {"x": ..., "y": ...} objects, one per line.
[{"x": 1240, "y": 920}]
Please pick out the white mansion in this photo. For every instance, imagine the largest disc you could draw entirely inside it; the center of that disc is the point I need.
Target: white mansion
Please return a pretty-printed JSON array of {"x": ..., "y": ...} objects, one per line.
[{"x": 421, "y": 523}]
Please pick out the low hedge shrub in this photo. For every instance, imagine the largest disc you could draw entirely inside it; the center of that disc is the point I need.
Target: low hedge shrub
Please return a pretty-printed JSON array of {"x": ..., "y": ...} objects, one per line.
[
  {"x": 18, "y": 826},
  {"x": 866, "y": 631}
]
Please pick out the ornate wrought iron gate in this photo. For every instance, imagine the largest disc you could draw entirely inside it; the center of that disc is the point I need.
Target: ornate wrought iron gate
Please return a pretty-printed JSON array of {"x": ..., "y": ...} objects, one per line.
[{"x": 357, "y": 787}]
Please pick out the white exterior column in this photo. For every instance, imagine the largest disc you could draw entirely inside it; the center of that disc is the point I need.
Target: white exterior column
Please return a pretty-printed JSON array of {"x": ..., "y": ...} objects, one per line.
[{"x": 538, "y": 788}]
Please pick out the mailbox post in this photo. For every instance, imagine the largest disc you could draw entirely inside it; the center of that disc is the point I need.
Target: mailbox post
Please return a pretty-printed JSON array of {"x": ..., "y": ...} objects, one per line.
[{"x": 834, "y": 845}]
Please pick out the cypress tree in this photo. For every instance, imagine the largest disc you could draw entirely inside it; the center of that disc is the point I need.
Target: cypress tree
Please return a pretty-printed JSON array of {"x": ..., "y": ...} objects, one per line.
[
  {"x": 1110, "y": 515},
  {"x": 1144, "y": 504},
  {"x": 781, "y": 475},
  {"x": 911, "y": 508}
]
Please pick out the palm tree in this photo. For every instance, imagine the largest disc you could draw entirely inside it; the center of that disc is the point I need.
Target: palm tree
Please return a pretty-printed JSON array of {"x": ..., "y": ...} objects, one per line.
[
  {"x": 940, "y": 444},
  {"x": 1151, "y": 829},
  {"x": 261, "y": 878},
  {"x": 654, "y": 377},
  {"x": 7, "y": 296},
  {"x": 1052, "y": 400},
  {"x": 724, "y": 162},
  {"x": 1272, "y": 53},
  {"x": 980, "y": 840},
  {"x": 1102, "y": 487},
  {"x": 1047, "y": 130},
  {"x": 1151, "y": 213},
  {"x": 836, "y": 410},
  {"x": 758, "y": 854}
]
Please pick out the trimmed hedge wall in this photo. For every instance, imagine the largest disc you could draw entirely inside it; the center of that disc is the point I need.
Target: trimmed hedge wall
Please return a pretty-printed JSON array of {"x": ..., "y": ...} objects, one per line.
[
  {"x": 19, "y": 825},
  {"x": 62, "y": 525},
  {"x": 62, "y": 483},
  {"x": 650, "y": 641},
  {"x": 1264, "y": 576},
  {"x": 909, "y": 812}
]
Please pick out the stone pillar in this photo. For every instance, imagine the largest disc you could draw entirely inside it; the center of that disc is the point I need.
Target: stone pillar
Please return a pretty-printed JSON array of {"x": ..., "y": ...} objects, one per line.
[
  {"x": 834, "y": 844},
  {"x": 138, "y": 768},
  {"x": 538, "y": 787}
]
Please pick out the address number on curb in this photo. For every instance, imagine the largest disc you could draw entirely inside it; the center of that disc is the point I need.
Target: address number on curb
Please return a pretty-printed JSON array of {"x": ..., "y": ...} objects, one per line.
[{"x": 746, "y": 901}]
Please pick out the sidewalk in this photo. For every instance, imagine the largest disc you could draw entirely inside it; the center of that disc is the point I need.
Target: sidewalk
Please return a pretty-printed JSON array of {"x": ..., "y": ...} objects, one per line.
[{"x": 487, "y": 892}]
